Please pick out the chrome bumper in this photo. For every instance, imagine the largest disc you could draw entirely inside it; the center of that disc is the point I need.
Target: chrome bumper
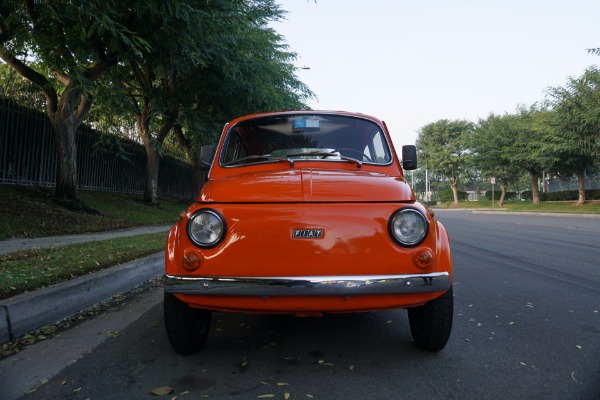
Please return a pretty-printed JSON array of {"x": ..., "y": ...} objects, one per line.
[{"x": 308, "y": 285}]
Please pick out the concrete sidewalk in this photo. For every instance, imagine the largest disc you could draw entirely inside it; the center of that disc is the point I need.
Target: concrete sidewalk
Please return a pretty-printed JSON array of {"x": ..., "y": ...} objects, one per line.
[{"x": 29, "y": 311}]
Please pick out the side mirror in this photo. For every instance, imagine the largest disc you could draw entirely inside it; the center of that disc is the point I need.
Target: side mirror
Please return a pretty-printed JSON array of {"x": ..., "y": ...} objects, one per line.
[
  {"x": 207, "y": 153},
  {"x": 409, "y": 157}
]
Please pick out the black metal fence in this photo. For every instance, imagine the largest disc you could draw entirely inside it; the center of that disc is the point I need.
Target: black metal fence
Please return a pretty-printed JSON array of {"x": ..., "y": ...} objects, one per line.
[{"x": 105, "y": 162}]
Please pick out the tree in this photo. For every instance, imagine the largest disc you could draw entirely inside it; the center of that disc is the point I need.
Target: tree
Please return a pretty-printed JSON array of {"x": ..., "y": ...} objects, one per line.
[
  {"x": 531, "y": 148},
  {"x": 63, "y": 48},
  {"x": 491, "y": 143},
  {"x": 577, "y": 123},
  {"x": 444, "y": 145},
  {"x": 258, "y": 76}
]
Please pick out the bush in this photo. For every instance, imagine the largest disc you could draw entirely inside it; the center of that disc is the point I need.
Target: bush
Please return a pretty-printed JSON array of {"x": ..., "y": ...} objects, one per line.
[
  {"x": 497, "y": 193},
  {"x": 446, "y": 195}
]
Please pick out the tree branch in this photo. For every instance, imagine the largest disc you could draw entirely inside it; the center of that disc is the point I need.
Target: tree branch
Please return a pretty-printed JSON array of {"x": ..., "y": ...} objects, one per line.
[
  {"x": 184, "y": 142},
  {"x": 166, "y": 128},
  {"x": 34, "y": 76}
]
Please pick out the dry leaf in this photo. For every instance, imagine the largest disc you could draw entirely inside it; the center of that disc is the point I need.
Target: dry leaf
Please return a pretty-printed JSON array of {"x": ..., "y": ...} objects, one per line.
[{"x": 161, "y": 391}]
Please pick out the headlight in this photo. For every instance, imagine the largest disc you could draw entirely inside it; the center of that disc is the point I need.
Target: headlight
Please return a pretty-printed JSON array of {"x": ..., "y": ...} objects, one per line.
[
  {"x": 206, "y": 228},
  {"x": 408, "y": 227}
]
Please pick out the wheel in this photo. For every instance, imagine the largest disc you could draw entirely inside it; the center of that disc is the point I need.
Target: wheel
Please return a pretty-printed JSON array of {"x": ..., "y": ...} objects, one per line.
[
  {"x": 187, "y": 327},
  {"x": 431, "y": 323}
]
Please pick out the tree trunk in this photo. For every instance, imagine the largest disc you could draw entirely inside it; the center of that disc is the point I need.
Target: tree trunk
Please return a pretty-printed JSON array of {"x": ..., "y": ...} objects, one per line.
[
  {"x": 66, "y": 118},
  {"x": 503, "y": 194},
  {"x": 535, "y": 189},
  {"x": 66, "y": 162},
  {"x": 581, "y": 185},
  {"x": 454, "y": 188},
  {"x": 152, "y": 167}
]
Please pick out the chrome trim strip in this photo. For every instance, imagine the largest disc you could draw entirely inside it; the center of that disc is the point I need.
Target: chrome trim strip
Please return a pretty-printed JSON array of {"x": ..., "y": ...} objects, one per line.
[{"x": 308, "y": 285}]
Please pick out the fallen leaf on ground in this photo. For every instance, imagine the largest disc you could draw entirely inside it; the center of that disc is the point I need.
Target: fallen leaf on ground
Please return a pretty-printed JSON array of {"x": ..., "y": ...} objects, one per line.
[{"x": 161, "y": 391}]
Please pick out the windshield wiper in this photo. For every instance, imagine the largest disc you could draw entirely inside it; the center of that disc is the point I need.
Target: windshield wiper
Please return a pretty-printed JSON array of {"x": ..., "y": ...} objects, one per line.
[
  {"x": 326, "y": 154},
  {"x": 259, "y": 157}
]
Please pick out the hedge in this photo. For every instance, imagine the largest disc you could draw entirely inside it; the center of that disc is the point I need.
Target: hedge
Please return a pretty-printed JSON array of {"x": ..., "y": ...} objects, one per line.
[{"x": 565, "y": 195}]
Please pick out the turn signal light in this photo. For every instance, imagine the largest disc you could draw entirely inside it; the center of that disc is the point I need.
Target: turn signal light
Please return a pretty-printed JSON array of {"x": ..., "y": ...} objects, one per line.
[
  {"x": 191, "y": 260},
  {"x": 423, "y": 258}
]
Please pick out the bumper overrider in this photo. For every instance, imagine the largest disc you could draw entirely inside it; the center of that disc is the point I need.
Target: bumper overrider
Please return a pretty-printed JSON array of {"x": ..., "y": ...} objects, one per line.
[{"x": 308, "y": 285}]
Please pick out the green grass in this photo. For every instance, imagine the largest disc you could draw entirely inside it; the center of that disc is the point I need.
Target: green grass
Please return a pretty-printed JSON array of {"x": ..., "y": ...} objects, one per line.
[
  {"x": 591, "y": 207},
  {"x": 29, "y": 211},
  {"x": 29, "y": 270}
]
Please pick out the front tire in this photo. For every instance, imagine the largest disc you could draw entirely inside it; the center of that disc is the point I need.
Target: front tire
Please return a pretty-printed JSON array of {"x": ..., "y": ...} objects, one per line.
[
  {"x": 431, "y": 323},
  {"x": 187, "y": 327}
]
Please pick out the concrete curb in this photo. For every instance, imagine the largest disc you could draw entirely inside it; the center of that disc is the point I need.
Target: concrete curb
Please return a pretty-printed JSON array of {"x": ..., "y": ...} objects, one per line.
[
  {"x": 501, "y": 211},
  {"x": 538, "y": 214},
  {"x": 29, "y": 311}
]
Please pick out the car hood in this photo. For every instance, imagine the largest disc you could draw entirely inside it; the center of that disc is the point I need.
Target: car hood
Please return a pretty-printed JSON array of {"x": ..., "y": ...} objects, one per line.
[{"x": 307, "y": 185}]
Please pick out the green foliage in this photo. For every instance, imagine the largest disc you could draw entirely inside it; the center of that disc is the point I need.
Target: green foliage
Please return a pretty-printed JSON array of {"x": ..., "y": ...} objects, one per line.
[{"x": 447, "y": 195}]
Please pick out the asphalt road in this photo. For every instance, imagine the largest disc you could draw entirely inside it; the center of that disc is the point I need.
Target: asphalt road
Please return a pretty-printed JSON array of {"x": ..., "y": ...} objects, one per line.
[{"x": 526, "y": 326}]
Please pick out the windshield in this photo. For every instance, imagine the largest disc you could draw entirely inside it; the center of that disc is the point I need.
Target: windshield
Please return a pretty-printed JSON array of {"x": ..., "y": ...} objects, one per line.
[{"x": 302, "y": 137}]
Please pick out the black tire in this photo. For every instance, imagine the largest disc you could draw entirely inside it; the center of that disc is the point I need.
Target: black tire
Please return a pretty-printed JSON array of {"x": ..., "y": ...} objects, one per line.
[
  {"x": 187, "y": 327},
  {"x": 431, "y": 324}
]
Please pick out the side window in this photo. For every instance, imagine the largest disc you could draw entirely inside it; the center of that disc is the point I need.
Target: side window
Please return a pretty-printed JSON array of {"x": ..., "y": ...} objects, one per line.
[
  {"x": 232, "y": 148},
  {"x": 377, "y": 150}
]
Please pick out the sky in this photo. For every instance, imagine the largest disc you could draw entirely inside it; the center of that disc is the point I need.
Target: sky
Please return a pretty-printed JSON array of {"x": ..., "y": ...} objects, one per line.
[{"x": 411, "y": 63}]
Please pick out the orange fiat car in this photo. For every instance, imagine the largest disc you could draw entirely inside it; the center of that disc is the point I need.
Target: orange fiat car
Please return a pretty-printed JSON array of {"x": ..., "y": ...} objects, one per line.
[{"x": 307, "y": 213}]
